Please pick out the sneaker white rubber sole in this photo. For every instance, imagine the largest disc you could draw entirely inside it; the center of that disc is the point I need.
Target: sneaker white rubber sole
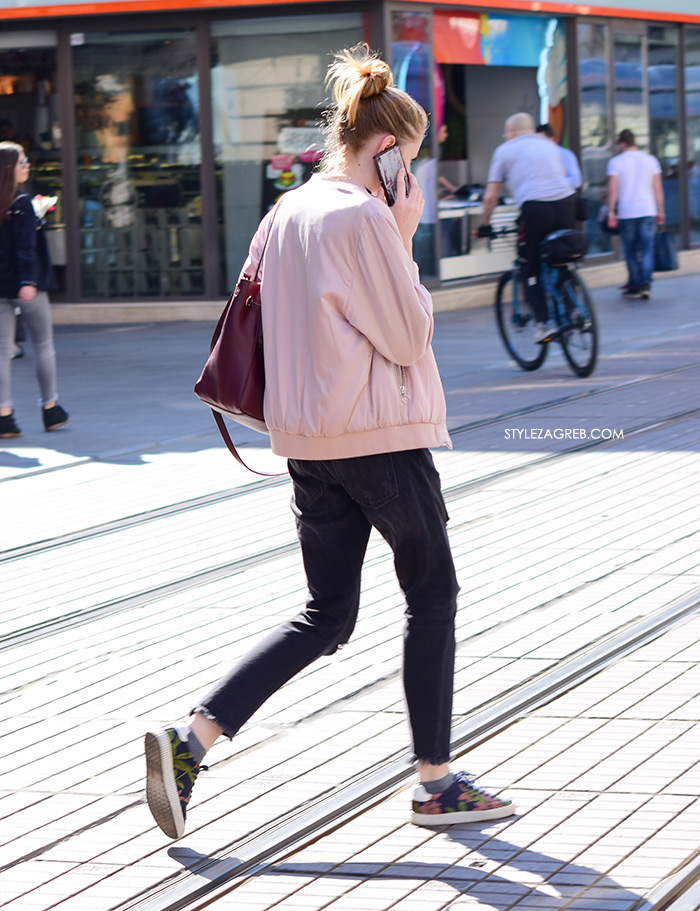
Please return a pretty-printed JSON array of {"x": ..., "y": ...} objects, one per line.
[
  {"x": 546, "y": 333},
  {"x": 161, "y": 789},
  {"x": 453, "y": 819}
]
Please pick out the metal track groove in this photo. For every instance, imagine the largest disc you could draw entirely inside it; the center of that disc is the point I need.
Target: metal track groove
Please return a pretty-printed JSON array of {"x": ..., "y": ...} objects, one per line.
[
  {"x": 149, "y": 596},
  {"x": 223, "y": 496},
  {"x": 240, "y": 860}
]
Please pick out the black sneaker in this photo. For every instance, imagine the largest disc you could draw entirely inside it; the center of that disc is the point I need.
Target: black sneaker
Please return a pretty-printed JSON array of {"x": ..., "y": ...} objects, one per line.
[
  {"x": 54, "y": 417},
  {"x": 632, "y": 293},
  {"x": 8, "y": 426},
  {"x": 171, "y": 772}
]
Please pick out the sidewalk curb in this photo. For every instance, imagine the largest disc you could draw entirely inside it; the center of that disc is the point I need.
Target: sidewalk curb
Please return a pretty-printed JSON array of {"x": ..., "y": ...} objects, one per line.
[{"x": 462, "y": 296}]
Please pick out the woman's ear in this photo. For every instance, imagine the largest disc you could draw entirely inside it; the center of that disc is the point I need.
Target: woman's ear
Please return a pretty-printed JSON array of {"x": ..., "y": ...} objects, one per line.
[{"x": 385, "y": 142}]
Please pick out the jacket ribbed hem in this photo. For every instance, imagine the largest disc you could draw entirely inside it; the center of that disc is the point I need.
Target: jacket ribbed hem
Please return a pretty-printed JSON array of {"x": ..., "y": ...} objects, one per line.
[{"x": 367, "y": 442}]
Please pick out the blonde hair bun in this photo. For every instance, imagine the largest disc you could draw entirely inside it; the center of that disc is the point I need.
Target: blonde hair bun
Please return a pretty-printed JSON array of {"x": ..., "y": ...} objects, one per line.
[
  {"x": 376, "y": 75},
  {"x": 356, "y": 75},
  {"x": 366, "y": 103}
]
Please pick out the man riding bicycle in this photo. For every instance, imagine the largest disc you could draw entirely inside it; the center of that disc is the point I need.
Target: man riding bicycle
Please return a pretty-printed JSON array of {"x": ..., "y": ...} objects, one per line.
[{"x": 534, "y": 172}]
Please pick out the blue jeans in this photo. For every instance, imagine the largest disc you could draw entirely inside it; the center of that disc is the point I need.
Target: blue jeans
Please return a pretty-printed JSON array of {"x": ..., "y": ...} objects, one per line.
[
  {"x": 336, "y": 503},
  {"x": 637, "y": 236}
]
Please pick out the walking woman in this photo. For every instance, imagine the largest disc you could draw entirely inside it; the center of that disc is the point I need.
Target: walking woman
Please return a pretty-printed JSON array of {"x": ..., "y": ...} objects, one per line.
[
  {"x": 353, "y": 399},
  {"x": 25, "y": 277}
]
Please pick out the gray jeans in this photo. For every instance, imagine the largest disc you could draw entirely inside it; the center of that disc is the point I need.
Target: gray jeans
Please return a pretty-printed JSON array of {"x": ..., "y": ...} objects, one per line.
[{"x": 37, "y": 318}]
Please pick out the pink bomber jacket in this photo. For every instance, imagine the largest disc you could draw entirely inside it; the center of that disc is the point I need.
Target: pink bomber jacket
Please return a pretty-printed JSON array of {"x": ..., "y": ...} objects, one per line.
[{"x": 347, "y": 326}]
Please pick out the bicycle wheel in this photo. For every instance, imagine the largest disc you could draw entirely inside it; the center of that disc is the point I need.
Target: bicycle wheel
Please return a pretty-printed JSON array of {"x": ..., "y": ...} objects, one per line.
[
  {"x": 517, "y": 324},
  {"x": 579, "y": 334}
]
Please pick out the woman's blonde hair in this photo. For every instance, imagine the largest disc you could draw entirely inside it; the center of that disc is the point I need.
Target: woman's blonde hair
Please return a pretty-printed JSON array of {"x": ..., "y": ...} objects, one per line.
[{"x": 366, "y": 104}]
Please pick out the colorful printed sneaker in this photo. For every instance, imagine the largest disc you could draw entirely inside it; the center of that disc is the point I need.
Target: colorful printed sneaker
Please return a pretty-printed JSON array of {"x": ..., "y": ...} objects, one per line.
[
  {"x": 461, "y": 802},
  {"x": 171, "y": 772}
]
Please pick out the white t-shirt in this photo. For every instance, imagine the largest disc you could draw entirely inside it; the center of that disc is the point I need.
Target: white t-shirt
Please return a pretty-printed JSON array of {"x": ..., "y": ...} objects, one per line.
[
  {"x": 532, "y": 167},
  {"x": 426, "y": 174},
  {"x": 635, "y": 171}
]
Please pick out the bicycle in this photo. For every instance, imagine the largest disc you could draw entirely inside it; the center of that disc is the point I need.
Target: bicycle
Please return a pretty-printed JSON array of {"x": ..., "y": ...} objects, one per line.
[{"x": 569, "y": 304}]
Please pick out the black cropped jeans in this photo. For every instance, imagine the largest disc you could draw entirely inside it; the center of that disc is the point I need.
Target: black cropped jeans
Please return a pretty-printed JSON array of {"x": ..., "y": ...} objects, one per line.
[{"x": 336, "y": 503}]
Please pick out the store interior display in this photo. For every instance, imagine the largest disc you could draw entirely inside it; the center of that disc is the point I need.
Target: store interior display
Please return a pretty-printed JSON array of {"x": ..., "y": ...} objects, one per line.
[{"x": 139, "y": 157}]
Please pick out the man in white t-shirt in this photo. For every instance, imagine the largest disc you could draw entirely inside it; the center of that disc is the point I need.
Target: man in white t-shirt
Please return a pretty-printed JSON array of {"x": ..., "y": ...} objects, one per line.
[{"x": 636, "y": 205}]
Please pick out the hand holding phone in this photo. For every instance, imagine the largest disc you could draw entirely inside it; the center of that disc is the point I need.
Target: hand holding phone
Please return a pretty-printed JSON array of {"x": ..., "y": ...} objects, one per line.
[{"x": 389, "y": 164}]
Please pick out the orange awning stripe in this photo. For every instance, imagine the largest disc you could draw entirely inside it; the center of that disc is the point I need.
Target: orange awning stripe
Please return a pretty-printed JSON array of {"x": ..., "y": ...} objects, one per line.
[{"x": 102, "y": 7}]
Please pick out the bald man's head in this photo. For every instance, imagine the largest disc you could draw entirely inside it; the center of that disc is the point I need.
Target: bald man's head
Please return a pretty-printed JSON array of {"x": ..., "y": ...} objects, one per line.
[{"x": 520, "y": 123}]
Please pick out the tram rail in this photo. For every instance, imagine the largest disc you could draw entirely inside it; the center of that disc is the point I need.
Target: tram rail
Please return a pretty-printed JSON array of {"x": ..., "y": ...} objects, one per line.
[
  {"x": 261, "y": 849},
  {"x": 194, "y": 580}
]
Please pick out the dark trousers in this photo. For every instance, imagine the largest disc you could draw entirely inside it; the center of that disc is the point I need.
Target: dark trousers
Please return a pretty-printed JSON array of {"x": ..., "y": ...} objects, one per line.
[
  {"x": 538, "y": 219},
  {"x": 336, "y": 503}
]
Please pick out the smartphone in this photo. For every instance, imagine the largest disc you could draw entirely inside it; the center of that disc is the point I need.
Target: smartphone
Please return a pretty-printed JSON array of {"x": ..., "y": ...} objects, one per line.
[{"x": 389, "y": 163}]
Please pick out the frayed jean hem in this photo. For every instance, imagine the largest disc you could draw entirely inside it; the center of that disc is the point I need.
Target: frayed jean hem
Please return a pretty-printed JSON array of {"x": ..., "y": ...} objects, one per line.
[{"x": 204, "y": 711}]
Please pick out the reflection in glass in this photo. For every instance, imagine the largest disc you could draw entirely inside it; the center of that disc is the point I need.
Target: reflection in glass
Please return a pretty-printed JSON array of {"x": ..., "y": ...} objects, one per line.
[
  {"x": 664, "y": 138},
  {"x": 268, "y": 94},
  {"x": 490, "y": 65},
  {"x": 411, "y": 62},
  {"x": 411, "y": 57},
  {"x": 596, "y": 141},
  {"x": 137, "y": 116},
  {"x": 29, "y": 116},
  {"x": 692, "y": 113},
  {"x": 630, "y": 94}
]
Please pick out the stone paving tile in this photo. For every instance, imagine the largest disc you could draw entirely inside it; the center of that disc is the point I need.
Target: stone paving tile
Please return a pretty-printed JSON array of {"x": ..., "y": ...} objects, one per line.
[
  {"x": 609, "y": 528},
  {"x": 570, "y": 849}
]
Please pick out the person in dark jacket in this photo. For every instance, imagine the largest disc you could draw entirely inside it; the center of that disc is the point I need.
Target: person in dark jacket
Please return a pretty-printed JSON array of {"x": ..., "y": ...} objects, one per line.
[{"x": 25, "y": 277}]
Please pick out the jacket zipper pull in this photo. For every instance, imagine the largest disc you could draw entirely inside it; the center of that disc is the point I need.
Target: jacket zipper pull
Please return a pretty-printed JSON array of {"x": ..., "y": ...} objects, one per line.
[{"x": 405, "y": 397}]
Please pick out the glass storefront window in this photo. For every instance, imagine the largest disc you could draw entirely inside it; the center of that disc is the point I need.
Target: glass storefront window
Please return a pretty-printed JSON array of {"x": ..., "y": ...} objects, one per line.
[
  {"x": 596, "y": 139},
  {"x": 411, "y": 62},
  {"x": 268, "y": 94},
  {"x": 411, "y": 59},
  {"x": 630, "y": 88},
  {"x": 664, "y": 136},
  {"x": 692, "y": 114},
  {"x": 29, "y": 116},
  {"x": 489, "y": 66},
  {"x": 138, "y": 147}
]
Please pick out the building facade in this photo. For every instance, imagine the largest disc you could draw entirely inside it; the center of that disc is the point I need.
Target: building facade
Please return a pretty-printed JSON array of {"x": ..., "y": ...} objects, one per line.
[{"x": 167, "y": 129}]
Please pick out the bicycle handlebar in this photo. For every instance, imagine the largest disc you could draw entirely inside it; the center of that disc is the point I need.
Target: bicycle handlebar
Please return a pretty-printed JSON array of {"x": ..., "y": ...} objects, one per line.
[{"x": 480, "y": 232}]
